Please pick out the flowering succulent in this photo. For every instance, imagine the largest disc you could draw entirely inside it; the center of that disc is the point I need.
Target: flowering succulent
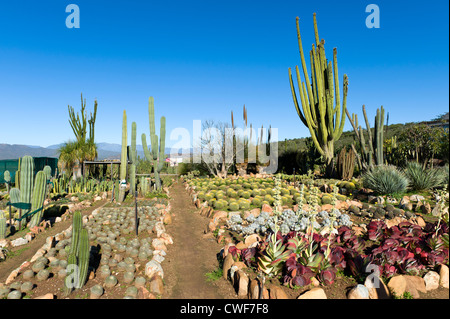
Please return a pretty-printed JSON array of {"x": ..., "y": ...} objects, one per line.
[{"x": 271, "y": 263}]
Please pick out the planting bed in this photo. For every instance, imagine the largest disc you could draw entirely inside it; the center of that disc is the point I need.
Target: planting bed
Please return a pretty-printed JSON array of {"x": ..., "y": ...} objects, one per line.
[
  {"x": 403, "y": 238},
  {"x": 121, "y": 264}
]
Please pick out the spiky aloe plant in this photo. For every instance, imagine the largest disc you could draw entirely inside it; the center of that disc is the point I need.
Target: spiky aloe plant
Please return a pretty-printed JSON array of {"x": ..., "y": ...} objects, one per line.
[
  {"x": 275, "y": 254},
  {"x": 321, "y": 109},
  {"x": 157, "y": 154},
  {"x": 38, "y": 198}
]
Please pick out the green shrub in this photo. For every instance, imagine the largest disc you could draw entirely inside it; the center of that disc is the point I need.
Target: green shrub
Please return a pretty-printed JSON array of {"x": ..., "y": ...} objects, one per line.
[
  {"x": 423, "y": 179},
  {"x": 385, "y": 180}
]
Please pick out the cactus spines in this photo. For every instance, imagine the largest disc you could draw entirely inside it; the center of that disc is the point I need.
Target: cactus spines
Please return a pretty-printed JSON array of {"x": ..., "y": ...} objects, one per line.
[
  {"x": 346, "y": 164},
  {"x": 26, "y": 179},
  {"x": 48, "y": 172},
  {"x": 372, "y": 149},
  {"x": 2, "y": 225},
  {"x": 14, "y": 195},
  {"x": 7, "y": 178},
  {"x": 321, "y": 109},
  {"x": 123, "y": 159},
  {"x": 143, "y": 184},
  {"x": 156, "y": 157},
  {"x": 38, "y": 197},
  {"x": 77, "y": 225},
  {"x": 83, "y": 257},
  {"x": 72, "y": 277},
  {"x": 133, "y": 158}
]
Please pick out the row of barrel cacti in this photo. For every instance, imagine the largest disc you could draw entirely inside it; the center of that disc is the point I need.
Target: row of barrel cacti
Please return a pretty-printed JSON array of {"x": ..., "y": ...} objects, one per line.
[{"x": 155, "y": 154}]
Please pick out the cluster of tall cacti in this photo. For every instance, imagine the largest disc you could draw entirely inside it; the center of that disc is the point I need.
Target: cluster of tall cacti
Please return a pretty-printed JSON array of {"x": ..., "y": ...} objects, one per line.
[
  {"x": 32, "y": 189},
  {"x": 371, "y": 149},
  {"x": 320, "y": 98},
  {"x": 78, "y": 257},
  {"x": 346, "y": 163},
  {"x": 156, "y": 155}
]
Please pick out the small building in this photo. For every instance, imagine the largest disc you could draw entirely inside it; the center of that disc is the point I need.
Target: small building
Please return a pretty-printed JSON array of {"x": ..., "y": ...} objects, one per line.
[{"x": 174, "y": 160}]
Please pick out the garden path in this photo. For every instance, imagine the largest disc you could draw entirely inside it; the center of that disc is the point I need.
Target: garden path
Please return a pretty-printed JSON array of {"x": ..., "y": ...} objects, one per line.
[{"x": 192, "y": 255}]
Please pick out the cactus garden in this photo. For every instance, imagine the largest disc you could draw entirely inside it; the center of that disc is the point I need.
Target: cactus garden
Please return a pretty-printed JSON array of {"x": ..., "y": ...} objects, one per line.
[{"x": 313, "y": 205}]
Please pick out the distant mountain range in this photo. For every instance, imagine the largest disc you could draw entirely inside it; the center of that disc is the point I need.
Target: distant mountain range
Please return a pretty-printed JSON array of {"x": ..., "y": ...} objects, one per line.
[{"x": 105, "y": 151}]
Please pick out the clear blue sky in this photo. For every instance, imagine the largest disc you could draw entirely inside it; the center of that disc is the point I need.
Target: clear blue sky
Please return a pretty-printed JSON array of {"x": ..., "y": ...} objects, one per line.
[{"x": 202, "y": 59}]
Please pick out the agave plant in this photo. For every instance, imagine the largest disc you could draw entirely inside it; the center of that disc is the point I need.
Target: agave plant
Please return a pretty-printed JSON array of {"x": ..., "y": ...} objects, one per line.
[
  {"x": 385, "y": 180},
  {"x": 421, "y": 178}
]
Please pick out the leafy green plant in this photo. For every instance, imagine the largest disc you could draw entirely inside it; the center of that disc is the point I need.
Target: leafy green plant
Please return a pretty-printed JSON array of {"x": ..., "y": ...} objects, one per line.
[
  {"x": 385, "y": 180},
  {"x": 214, "y": 275},
  {"x": 421, "y": 178},
  {"x": 275, "y": 255}
]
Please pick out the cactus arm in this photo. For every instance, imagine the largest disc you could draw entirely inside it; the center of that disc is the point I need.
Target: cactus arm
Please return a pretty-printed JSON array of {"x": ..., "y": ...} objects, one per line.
[{"x": 305, "y": 72}]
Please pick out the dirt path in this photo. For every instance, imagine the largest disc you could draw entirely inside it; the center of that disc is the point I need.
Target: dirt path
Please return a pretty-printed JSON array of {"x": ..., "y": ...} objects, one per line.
[{"x": 192, "y": 255}]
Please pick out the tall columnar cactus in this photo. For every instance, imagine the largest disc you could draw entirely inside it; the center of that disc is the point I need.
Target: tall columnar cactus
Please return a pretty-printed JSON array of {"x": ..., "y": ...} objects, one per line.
[
  {"x": 372, "y": 150},
  {"x": 133, "y": 158},
  {"x": 321, "y": 109},
  {"x": 7, "y": 178},
  {"x": 17, "y": 176},
  {"x": 14, "y": 195},
  {"x": 2, "y": 225},
  {"x": 26, "y": 180},
  {"x": 37, "y": 200},
  {"x": 143, "y": 184},
  {"x": 346, "y": 164},
  {"x": 83, "y": 257},
  {"x": 77, "y": 225},
  {"x": 123, "y": 159},
  {"x": 48, "y": 172},
  {"x": 157, "y": 155}
]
